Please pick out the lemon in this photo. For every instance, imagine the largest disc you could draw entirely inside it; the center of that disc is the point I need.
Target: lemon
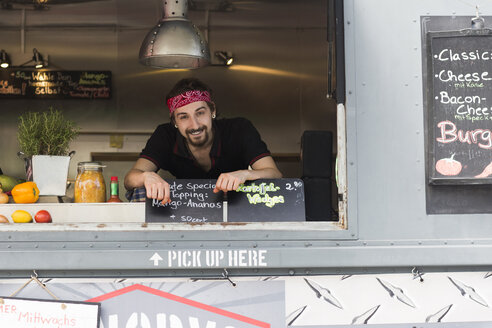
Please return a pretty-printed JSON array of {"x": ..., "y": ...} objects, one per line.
[{"x": 21, "y": 216}]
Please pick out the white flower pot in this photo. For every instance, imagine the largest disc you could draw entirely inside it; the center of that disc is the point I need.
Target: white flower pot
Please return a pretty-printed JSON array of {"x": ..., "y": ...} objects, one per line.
[{"x": 50, "y": 174}]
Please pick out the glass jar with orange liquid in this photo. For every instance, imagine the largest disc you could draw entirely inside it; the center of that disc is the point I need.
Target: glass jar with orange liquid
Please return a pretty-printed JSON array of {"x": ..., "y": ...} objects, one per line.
[{"x": 89, "y": 184}]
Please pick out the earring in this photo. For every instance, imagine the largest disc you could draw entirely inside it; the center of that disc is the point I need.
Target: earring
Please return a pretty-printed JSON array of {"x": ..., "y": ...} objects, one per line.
[
  {"x": 213, "y": 115},
  {"x": 175, "y": 126}
]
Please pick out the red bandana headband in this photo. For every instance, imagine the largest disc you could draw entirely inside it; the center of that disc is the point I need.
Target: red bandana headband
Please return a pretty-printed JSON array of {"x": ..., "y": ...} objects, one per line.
[{"x": 187, "y": 98}]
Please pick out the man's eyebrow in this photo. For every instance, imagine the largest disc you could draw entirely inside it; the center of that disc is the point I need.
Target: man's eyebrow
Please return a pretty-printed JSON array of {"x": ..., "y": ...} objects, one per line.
[{"x": 196, "y": 110}]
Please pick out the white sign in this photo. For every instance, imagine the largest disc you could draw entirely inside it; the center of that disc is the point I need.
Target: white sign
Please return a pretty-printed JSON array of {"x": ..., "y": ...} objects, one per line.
[
  {"x": 29, "y": 313},
  {"x": 240, "y": 258}
]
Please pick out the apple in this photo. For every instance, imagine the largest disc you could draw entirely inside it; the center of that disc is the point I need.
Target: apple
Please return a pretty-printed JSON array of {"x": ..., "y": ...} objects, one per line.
[{"x": 42, "y": 217}]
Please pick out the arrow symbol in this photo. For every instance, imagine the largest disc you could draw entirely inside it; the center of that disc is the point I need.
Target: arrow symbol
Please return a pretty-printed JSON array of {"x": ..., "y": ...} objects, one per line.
[{"x": 156, "y": 258}]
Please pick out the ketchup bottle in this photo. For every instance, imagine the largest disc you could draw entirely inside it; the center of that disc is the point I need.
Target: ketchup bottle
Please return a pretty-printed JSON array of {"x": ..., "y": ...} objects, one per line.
[{"x": 114, "y": 191}]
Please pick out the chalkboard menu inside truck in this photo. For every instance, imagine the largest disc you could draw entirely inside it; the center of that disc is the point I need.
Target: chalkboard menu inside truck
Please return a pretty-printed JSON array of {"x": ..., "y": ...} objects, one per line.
[
  {"x": 55, "y": 84},
  {"x": 459, "y": 141},
  {"x": 194, "y": 201}
]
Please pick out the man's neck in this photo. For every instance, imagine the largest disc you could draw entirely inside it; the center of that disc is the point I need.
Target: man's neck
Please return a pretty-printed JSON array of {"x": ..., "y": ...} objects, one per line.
[
  {"x": 201, "y": 149},
  {"x": 202, "y": 155}
]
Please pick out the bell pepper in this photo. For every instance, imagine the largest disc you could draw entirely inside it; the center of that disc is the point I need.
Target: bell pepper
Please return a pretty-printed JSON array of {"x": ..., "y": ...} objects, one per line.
[{"x": 26, "y": 192}]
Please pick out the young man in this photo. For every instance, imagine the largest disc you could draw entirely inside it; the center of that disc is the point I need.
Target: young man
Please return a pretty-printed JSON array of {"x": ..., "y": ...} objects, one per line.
[{"x": 196, "y": 145}]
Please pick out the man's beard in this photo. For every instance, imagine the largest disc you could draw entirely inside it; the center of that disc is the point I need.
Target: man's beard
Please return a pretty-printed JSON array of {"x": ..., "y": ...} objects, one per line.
[{"x": 205, "y": 138}]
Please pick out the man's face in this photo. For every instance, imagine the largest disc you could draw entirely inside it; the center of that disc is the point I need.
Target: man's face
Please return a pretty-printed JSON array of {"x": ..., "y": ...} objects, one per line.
[{"x": 194, "y": 122}]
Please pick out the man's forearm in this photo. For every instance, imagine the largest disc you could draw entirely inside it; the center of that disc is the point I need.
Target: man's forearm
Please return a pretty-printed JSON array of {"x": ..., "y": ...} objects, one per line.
[
  {"x": 266, "y": 173},
  {"x": 134, "y": 179}
]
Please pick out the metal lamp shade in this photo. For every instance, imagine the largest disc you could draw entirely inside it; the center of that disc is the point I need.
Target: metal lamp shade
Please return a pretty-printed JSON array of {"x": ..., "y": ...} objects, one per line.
[{"x": 175, "y": 43}]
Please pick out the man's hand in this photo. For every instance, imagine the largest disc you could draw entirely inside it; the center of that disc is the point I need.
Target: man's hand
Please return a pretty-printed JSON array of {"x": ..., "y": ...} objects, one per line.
[
  {"x": 230, "y": 181},
  {"x": 264, "y": 168},
  {"x": 143, "y": 175},
  {"x": 156, "y": 187}
]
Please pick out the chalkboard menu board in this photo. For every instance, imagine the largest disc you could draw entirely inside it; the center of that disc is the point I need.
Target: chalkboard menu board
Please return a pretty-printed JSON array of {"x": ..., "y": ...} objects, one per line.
[
  {"x": 55, "y": 84},
  {"x": 459, "y": 140},
  {"x": 193, "y": 201}
]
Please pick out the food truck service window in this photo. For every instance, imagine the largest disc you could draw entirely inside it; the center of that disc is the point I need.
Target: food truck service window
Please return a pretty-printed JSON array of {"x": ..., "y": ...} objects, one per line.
[{"x": 294, "y": 98}]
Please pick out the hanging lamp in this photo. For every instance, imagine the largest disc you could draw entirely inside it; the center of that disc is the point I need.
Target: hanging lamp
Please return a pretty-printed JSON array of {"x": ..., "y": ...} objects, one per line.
[{"x": 175, "y": 42}]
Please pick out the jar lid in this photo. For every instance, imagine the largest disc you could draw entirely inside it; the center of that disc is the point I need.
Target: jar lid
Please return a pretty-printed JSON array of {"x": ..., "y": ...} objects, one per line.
[{"x": 90, "y": 164}]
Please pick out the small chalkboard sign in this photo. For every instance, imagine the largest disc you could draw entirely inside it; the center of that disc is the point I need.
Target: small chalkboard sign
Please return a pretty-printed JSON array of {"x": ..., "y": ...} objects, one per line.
[
  {"x": 35, "y": 313},
  {"x": 278, "y": 200},
  {"x": 55, "y": 84},
  {"x": 193, "y": 201},
  {"x": 459, "y": 118}
]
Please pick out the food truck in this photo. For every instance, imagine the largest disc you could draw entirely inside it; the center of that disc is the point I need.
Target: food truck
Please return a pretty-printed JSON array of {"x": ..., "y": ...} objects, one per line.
[{"x": 378, "y": 114}]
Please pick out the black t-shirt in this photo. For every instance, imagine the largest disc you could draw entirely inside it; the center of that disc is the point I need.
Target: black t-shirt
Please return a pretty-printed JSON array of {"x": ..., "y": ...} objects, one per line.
[{"x": 237, "y": 144}]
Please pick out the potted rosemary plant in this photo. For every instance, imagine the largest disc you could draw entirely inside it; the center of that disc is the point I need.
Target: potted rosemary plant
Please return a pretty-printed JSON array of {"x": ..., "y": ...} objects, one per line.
[{"x": 44, "y": 140}]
